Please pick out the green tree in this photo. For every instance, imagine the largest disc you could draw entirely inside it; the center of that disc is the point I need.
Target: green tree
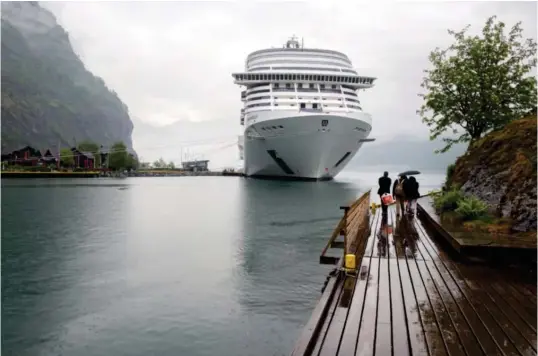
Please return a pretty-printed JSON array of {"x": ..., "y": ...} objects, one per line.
[
  {"x": 171, "y": 165},
  {"x": 118, "y": 157},
  {"x": 479, "y": 83},
  {"x": 92, "y": 147},
  {"x": 132, "y": 162},
  {"x": 160, "y": 163},
  {"x": 66, "y": 157}
]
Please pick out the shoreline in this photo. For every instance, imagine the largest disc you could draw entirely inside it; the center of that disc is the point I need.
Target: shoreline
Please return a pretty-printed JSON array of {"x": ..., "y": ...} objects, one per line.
[{"x": 99, "y": 174}]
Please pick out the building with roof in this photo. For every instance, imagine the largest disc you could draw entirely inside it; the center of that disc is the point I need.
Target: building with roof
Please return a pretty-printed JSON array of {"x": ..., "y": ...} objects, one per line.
[{"x": 195, "y": 166}]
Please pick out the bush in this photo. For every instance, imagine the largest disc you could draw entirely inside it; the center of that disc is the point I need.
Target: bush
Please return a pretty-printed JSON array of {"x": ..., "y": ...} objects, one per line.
[
  {"x": 471, "y": 208},
  {"x": 448, "y": 201}
]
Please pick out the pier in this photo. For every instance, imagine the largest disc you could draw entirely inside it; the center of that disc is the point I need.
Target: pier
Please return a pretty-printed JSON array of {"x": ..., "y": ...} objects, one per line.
[{"x": 412, "y": 293}]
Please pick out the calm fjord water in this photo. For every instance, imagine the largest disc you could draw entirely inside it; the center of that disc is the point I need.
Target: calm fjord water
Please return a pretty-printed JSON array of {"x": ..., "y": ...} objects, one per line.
[{"x": 165, "y": 266}]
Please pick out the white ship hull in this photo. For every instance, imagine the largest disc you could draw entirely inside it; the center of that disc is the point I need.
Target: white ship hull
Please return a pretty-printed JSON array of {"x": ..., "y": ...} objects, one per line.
[{"x": 296, "y": 145}]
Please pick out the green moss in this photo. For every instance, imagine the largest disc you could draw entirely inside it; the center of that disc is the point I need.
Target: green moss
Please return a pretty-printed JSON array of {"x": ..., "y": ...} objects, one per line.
[
  {"x": 447, "y": 201},
  {"x": 511, "y": 148}
]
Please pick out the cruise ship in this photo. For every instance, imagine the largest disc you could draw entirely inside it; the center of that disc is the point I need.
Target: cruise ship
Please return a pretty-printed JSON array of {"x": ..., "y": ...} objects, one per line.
[{"x": 301, "y": 117}]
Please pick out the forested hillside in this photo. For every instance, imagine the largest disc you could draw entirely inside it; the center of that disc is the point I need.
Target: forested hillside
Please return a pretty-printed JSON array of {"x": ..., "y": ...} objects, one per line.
[{"x": 48, "y": 96}]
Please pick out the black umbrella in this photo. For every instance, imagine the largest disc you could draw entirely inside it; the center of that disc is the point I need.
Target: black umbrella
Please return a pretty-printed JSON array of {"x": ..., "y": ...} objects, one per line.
[{"x": 409, "y": 173}]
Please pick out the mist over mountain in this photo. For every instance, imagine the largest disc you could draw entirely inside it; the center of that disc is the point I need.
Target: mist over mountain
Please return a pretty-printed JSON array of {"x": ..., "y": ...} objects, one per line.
[
  {"x": 49, "y": 98},
  {"x": 187, "y": 140},
  {"x": 405, "y": 152},
  {"x": 217, "y": 141}
]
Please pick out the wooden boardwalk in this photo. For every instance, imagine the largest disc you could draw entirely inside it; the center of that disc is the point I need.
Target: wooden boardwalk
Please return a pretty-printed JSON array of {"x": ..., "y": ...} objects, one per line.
[{"x": 411, "y": 298}]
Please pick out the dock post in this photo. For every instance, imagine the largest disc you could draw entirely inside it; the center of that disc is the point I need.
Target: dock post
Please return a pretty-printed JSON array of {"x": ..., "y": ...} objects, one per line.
[{"x": 346, "y": 210}]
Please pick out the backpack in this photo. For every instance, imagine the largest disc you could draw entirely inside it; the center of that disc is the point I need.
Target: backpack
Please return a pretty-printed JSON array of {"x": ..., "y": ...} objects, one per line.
[{"x": 399, "y": 188}]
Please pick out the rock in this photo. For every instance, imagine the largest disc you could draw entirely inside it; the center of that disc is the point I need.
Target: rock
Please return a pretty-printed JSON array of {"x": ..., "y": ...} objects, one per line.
[{"x": 500, "y": 169}]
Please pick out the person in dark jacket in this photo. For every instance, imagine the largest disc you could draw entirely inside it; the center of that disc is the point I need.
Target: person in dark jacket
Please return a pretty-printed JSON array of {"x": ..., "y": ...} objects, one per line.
[
  {"x": 411, "y": 193},
  {"x": 398, "y": 193},
  {"x": 384, "y": 187}
]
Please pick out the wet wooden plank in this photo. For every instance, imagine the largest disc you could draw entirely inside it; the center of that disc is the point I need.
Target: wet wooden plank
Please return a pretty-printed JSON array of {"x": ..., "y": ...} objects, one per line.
[
  {"x": 336, "y": 325},
  {"x": 383, "y": 338},
  {"x": 438, "y": 310},
  {"x": 479, "y": 301},
  {"x": 366, "y": 338},
  {"x": 461, "y": 332},
  {"x": 320, "y": 339},
  {"x": 351, "y": 327},
  {"x": 461, "y": 324},
  {"x": 524, "y": 289},
  {"x": 525, "y": 309},
  {"x": 432, "y": 333},
  {"x": 482, "y": 335},
  {"x": 500, "y": 339},
  {"x": 514, "y": 328},
  {"x": 415, "y": 332},
  {"x": 399, "y": 330},
  {"x": 484, "y": 338}
]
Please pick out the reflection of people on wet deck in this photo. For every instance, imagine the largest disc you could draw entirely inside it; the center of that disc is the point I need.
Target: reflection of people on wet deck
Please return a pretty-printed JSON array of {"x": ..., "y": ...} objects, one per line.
[{"x": 383, "y": 235}]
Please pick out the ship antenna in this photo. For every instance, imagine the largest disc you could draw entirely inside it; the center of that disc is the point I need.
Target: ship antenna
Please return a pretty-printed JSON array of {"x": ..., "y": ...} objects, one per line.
[{"x": 302, "y": 42}]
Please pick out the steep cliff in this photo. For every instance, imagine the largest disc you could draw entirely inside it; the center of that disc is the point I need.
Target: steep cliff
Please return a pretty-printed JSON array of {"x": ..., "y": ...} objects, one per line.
[
  {"x": 48, "y": 96},
  {"x": 500, "y": 169}
]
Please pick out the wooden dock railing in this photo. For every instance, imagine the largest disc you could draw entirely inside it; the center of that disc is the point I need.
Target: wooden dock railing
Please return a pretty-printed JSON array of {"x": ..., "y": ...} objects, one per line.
[{"x": 351, "y": 226}]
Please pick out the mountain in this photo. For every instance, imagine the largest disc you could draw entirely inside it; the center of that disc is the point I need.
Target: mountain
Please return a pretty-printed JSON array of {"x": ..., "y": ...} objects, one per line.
[
  {"x": 407, "y": 153},
  {"x": 48, "y": 96}
]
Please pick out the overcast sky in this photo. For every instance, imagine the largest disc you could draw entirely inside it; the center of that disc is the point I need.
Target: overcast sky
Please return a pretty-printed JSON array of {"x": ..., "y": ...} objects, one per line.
[{"x": 172, "y": 61}]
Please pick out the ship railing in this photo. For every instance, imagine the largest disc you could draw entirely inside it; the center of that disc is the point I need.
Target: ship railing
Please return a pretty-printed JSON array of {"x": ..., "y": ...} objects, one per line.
[
  {"x": 311, "y": 109},
  {"x": 283, "y": 89},
  {"x": 329, "y": 90}
]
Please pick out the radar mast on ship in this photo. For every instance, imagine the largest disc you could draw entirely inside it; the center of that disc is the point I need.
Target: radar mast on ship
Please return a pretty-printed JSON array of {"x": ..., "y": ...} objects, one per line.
[{"x": 293, "y": 43}]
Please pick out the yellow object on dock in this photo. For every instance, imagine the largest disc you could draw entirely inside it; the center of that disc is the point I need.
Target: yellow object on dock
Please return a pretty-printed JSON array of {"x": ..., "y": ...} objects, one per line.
[{"x": 350, "y": 261}]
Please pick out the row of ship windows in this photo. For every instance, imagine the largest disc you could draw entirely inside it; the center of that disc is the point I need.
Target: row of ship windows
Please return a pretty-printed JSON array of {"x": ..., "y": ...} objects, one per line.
[
  {"x": 302, "y": 54},
  {"x": 290, "y": 87},
  {"x": 269, "y": 62},
  {"x": 309, "y": 77},
  {"x": 303, "y": 105},
  {"x": 278, "y": 85},
  {"x": 300, "y": 98},
  {"x": 304, "y": 68}
]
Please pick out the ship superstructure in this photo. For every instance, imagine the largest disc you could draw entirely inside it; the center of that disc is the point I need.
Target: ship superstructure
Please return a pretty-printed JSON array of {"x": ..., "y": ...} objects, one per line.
[{"x": 302, "y": 117}]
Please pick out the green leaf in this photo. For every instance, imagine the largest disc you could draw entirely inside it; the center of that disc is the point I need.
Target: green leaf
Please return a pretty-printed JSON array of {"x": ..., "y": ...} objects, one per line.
[{"x": 479, "y": 83}]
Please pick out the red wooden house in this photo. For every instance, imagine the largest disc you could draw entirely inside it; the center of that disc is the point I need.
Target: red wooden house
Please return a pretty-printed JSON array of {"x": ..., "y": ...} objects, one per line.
[{"x": 84, "y": 160}]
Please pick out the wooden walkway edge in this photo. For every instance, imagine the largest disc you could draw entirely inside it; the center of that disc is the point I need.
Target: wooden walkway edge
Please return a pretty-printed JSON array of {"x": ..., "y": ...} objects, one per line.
[{"x": 410, "y": 297}]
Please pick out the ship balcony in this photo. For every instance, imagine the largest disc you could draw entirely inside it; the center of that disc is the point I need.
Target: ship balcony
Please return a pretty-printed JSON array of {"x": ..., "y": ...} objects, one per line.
[
  {"x": 329, "y": 90},
  {"x": 283, "y": 89}
]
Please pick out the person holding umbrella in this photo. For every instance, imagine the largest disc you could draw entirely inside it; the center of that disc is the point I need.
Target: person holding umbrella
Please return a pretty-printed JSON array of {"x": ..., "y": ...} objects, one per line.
[
  {"x": 410, "y": 191},
  {"x": 412, "y": 194}
]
